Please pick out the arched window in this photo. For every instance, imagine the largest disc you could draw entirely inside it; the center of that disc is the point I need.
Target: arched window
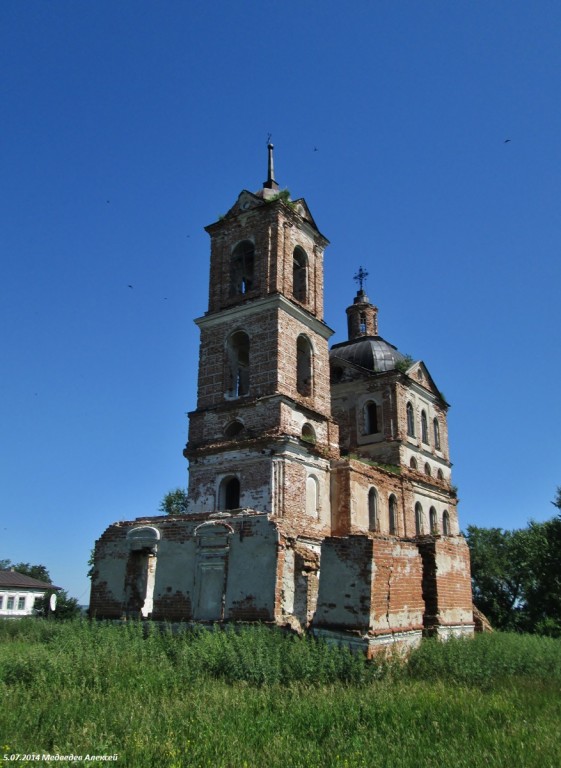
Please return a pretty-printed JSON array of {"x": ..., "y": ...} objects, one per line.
[
  {"x": 424, "y": 428},
  {"x": 371, "y": 418},
  {"x": 436, "y": 431},
  {"x": 433, "y": 520},
  {"x": 308, "y": 433},
  {"x": 304, "y": 366},
  {"x": 362, "y": 323},
  {"x": 427, "y": 469},
  {"x": 413, "y": 462},
  {"x": 233, "y": 429},
  {"x": 440, "y": 474},
  {"x": 446, "y": 523},
  {"x": 410, "y": 421},
  {"x": 312, "y": 496},
  {"x": 300, "y": 275},
  {"x": 393, "y": 515},
  {"x": 242, "y": 268},
  {"x": 373, "y": 523},
  {"x": 418, "y": 519},
  {"x": 238, "y": 364},
  {"x": 141, "y": 570},
  {"x": 229, "y": 493}
]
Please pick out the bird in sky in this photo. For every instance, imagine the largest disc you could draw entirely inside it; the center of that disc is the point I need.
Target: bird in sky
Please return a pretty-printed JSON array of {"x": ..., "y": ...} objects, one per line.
[
  {"x": 506, "y": 141},
  {"x": 130, "y": 286}
]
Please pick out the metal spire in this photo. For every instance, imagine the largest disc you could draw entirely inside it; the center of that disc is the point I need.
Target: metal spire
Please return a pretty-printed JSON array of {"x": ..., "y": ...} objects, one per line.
[{"x": 270, "y": 183}]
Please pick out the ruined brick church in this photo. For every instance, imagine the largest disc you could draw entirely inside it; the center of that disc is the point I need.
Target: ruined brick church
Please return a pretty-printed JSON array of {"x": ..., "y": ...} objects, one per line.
[{"x": 320, "y": 493}]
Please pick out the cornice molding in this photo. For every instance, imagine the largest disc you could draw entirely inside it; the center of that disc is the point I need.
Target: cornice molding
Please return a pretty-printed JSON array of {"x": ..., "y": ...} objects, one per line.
[{"x": 256, "y": 306}]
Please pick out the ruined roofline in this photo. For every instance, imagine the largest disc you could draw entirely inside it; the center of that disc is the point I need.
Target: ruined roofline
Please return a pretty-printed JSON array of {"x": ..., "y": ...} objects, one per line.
[{"x": 211, "y": 514}]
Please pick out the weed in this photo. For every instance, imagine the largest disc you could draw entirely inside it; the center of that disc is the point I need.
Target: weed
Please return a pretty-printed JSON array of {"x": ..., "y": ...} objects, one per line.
[{"x": 253, "y": 696}]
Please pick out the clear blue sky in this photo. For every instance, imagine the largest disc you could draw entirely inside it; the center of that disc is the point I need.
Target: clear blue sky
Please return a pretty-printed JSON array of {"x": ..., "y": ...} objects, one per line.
[{"x": 128, "y": 126}]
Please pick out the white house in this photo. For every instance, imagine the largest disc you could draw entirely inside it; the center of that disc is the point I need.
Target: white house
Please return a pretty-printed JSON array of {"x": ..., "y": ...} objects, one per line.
[{"x": 19, "y": 592}]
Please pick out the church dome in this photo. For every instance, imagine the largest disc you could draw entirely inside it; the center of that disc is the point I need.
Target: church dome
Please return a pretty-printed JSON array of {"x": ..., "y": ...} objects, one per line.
[
  {"x": 365, "y": 348},
  {"x": 372, "y": 353}
]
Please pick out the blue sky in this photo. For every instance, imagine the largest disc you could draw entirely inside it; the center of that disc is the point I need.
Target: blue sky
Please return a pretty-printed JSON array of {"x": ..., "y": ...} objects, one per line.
[{"x": 128, "y": 126}]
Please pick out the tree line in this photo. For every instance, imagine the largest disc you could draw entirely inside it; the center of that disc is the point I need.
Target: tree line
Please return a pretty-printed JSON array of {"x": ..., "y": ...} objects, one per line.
[{"x": 516, "y": 575}]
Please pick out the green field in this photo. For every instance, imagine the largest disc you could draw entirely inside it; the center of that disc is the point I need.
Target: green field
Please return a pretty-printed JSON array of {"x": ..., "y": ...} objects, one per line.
[{"x": 259, "y": 698}]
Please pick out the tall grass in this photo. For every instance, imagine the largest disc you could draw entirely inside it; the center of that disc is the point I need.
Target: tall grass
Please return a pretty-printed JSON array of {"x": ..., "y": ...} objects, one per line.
[
  {"x": 96, "y": 652},
  {"x": 256, "y": 697},
  {"x": 488, "y": 659}
]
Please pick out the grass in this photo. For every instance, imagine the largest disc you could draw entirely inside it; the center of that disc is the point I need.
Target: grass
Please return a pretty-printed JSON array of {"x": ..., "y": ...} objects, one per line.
[{"x": 259, "y": 698}]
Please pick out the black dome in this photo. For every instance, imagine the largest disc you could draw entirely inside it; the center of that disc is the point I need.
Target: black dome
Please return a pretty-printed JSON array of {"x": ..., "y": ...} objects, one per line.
[{"x": 370, "y": 352}]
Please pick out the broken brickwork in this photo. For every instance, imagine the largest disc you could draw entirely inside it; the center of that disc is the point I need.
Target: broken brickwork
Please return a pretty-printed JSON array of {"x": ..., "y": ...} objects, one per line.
[{"x": 320, "y": 492}]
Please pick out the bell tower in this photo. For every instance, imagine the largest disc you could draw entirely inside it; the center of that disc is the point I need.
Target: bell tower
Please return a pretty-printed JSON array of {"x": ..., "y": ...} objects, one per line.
[{"x": 262, "y": 436}]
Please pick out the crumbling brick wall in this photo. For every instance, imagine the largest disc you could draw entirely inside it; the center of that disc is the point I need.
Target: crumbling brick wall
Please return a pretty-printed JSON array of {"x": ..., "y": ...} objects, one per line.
[
  {"x": 370, "y": 584},
  {"x": 446, "y": 582},
  {"x": 246, "y": 547}
]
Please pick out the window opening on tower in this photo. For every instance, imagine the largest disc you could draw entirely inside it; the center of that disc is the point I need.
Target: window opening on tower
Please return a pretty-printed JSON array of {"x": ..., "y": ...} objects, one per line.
[
  {"x": 238, "y": 364},
  {"x": 229, "y": 494},
  {"x": 304, "y": 366},
  {"x": 242, "y": 268},
  {"x": 300, "y": 275}
]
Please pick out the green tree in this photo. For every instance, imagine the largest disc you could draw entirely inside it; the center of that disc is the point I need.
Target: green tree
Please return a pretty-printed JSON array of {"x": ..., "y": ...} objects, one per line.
[
  {"x": 174, "y": 502},
  {"x": 91, "y": 564},
  {"x": 543, "y": 588},
  {"x": 516, "y": 575},
  {"x": 497, "y": 574},
  {"x": 66, "y": 607},
  {"x": 34, "y": 571}
]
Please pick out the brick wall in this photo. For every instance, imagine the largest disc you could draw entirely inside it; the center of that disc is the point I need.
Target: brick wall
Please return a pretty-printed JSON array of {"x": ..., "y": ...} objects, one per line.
[
  {"x": 247, "y": 546},
  {"x": 397, "y": 597},
  {"x": 446, "y": 582},
  {"x": 273, "y": 334},
  {"x": 354, "y": 479},
  {"x": 275, "y": 230},
  {"x": 370, "y": 584}
]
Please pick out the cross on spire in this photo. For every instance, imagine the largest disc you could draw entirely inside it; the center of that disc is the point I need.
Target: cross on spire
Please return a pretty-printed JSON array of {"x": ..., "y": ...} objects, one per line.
[{"x": 360, "y": 277}]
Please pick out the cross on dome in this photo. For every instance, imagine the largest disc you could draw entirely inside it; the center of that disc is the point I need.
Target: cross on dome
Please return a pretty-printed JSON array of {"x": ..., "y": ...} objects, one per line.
[{"x": 360, "y": 277}]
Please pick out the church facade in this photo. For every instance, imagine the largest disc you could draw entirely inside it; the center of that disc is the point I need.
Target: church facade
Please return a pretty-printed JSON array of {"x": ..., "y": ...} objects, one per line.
[{"x": 320, "y": 493}]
